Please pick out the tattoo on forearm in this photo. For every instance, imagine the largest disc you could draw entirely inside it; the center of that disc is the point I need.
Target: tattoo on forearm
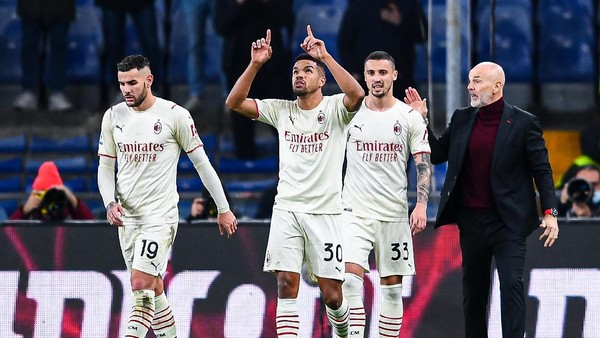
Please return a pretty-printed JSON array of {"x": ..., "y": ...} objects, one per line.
[{"x": 423, "y": 178}]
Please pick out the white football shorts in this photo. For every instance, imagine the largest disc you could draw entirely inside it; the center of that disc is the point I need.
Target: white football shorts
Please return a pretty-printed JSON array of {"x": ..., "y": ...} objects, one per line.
[
  {"x": 391, "y": 241},
  {"x": 295, "y": 237},
  {"x": 147, "y": 247}
]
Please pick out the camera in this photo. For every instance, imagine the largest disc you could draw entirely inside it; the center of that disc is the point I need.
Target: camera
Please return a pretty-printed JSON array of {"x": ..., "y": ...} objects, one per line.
[
  {"x": 579, "y": 190},
  {"x": 53, "y": 205}
]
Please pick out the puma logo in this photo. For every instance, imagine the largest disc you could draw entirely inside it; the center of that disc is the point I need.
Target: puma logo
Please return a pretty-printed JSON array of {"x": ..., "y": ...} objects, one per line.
[
  {"x": 359, "y": 128},
  {"x": 154, "y": 265},
  {"x": 291, "y": 118},
  {"x": 120, "y": 128},
  {"x": 338, "y": 269}
]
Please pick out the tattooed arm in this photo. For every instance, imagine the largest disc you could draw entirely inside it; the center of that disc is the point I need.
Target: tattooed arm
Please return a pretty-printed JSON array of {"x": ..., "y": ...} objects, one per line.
[{"x": 418, "y": 218}]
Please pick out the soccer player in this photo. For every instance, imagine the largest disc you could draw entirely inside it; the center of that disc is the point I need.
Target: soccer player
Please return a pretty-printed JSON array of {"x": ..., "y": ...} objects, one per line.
[
  {"x": 304, "y": 224},
  {"x": 145, "y": 135},
  {"x": 381, "y": 137}
]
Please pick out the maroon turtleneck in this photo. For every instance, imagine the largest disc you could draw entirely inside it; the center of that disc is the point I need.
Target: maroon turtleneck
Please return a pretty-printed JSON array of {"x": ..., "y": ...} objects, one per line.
[{"x": 476, "y": 182}]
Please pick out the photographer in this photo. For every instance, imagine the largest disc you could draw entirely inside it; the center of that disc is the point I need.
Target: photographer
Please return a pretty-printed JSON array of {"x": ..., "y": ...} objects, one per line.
[
  {"x": 580, "y": 197},
  {"x": 50, "y": 200}
]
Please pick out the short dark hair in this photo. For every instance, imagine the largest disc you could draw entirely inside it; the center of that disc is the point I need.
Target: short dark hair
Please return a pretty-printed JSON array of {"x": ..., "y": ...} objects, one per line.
[
  {"x": 306, "y": 56},
  {"x": 381, "y": 55},
  {"x": 133, "y": 61}
]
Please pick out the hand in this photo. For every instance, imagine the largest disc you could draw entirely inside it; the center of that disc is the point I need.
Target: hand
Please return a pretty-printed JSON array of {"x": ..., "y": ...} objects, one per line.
[
  {"x": 413, "y": 99},
  {"x": 197, "y": 207},
  {"x": 33, "y": 202},
  {"x": 261, "y": 49},
  {"x": 313, "y": 46},
  {"x": 581, "y": 209},
  {"x": 391, "y": 15},
  {"x": 114, "y": 212},
  {"x": 418, "y": 218},
  {"x": 550, "y": 225},
  {"x": 227, "y": 223}
]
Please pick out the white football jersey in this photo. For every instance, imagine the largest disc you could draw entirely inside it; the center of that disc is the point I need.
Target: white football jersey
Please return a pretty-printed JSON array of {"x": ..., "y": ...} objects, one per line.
[
  {"x": 311, "y": 153},
  {"x": 378, "y": 148},
  {"x": 147, "y": 145}
]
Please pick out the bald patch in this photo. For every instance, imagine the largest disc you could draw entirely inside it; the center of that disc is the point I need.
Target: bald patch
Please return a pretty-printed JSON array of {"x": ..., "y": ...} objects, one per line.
[{"x": 491, "y": 70}]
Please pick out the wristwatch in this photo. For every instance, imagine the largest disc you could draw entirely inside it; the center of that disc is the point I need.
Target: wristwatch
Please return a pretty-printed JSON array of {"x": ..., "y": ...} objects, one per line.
[{"x": 551, "y": 212}]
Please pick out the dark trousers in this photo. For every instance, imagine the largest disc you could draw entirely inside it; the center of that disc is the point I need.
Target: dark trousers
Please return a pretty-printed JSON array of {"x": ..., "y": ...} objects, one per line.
[
  {"x": 33, "y": 34},
  {"x": 483, "y": 236}
]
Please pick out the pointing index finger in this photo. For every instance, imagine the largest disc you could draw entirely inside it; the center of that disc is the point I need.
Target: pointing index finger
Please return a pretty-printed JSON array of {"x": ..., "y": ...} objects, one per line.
[
  {"x": 309, "y": 30},
  {"x": 268, "y": 37}
]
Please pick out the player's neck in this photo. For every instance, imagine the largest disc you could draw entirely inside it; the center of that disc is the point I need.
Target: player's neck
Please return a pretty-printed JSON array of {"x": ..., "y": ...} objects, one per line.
[
  {"x": 310, "y": 101},
  {"x": 383, "y": 103}
]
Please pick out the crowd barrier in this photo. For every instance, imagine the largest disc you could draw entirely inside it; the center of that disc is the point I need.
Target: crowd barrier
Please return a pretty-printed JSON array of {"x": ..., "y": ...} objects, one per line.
[{"x": 69, "y": 280}]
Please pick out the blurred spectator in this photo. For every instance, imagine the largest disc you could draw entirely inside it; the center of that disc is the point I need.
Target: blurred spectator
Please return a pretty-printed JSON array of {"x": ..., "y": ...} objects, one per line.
[
  {"x": 199, "y": 209},
  {"x": 204, "y": 207},
  {"x": 114, "y": 19},
  {"x": 44, "y": 22},
  {"x": 580, "y": 197},
  {"x": 239, "y": 22},
  {"x": 394, "y": 26},
  {"x": 590, "y": 153},
  {"x": 196, "y": 12},
  {"x": 50, "y": 199}
]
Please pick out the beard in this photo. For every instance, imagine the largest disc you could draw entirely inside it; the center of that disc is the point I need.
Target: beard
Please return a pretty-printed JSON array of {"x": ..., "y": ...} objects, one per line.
[
  {"x": 482, "y": 100},
  {"x": 138, "y": 100}
]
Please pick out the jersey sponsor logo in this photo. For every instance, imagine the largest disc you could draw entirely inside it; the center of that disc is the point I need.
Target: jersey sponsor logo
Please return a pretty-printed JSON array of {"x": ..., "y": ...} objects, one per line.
[
  {"x": 378, "y": 152},
  {"x": 140, "y": 152},
  {"x": 302, "y": 143}
]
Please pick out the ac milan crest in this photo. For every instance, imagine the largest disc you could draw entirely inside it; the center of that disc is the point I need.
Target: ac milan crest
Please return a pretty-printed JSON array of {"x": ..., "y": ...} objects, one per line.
[
  {"x": 397, "y": 128},
  {"x": 157, "y": 127},
  {"x": 321, "y": 117}
]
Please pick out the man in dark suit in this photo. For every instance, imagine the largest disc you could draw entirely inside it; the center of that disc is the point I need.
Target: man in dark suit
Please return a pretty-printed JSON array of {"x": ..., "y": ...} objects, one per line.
[{"x": 495, "y": 153}]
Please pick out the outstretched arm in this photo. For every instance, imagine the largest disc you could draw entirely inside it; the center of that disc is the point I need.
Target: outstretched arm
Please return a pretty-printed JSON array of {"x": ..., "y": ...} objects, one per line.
[
  {"x": 348, "y": 84},
  {"x": 238, "y": 96}
]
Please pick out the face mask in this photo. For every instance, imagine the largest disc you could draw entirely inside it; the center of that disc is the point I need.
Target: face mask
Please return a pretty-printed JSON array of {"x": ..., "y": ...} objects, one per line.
[{"x": 596, "y": 197}]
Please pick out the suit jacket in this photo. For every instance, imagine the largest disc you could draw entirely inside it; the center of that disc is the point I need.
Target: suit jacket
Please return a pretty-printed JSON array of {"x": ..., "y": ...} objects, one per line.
[{"x": 520, "y": 158}]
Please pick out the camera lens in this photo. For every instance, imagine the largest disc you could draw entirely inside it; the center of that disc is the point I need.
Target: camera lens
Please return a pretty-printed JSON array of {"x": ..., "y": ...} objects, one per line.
[{"x": 579, "y": 190}]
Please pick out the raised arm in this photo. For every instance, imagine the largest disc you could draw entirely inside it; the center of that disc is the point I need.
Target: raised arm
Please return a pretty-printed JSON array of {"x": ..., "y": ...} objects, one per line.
[
  {"x": 348, "y": 84},
  {"x": 238, "y": 96}
]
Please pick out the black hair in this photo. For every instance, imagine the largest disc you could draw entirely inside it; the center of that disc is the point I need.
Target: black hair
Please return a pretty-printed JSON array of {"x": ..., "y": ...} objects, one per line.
[
  {"x": 306, "y": 56},
  {"x": 133, "y": 62},
  {"x": 381, "y": 55}
]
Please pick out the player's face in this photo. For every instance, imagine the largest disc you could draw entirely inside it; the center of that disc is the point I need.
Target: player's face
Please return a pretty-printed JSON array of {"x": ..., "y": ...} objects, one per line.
[
  {"x": 135, "y": 85},
  {"x": 481, "y": 86},
  {"x": 306, "y": 78},
  {"x": 380, "y": 76}
]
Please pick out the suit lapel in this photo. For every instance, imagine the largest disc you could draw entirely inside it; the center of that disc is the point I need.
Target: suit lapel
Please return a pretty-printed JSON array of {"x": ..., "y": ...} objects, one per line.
[
  {"x": 504, "y": 129},
  {"x": 464, "y": 133}
]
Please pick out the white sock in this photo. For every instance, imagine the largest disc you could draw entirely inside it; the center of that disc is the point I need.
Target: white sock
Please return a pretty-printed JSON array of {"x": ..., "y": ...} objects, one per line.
[
  {"x": 390, "y": 318},
  {"x": 287, "y": 319},
  {"x": 142, "y": 313},
  {"x": 339, "y": 318},
  {"x": 163, "y": 323},
  {"x": 353, "y": 291}
]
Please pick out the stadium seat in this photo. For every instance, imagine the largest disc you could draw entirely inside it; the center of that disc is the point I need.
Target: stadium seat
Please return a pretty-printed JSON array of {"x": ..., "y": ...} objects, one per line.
[
  {"x": 438, "y": 48},
  {"x": 84, "y": 47},
  {"x": 192, "y": 184},
  {"x": 249, "y": 185},
  {"x": 260, "y": 166},
  {"x": 13, "y": 144},
  {"x": 513, "y": 41},
  {"x": 8, "y": 206},
  {"x": 11, "y": 165},
  {"x": 11, "y": 184},
  {"x": 67, "y": 165},
  {"x": 324, "y": 21},
  {"x": 78, "y": 184},
  {"x": 10, "y": 44},
  {"x": 74, "y": 144}
]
